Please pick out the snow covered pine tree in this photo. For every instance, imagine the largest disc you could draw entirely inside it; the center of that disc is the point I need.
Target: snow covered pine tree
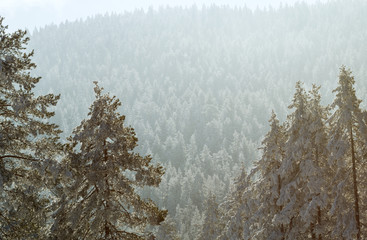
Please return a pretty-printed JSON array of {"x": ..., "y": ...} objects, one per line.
[
  {"x": 210, "y": 229},
  {"x": 303, "y": 190},
  {"x": 27, "y": 141},
  {"x": 347, "y": 142},
  {"x": 269, "y": 183},
  {"x": 100, "y": 199}
]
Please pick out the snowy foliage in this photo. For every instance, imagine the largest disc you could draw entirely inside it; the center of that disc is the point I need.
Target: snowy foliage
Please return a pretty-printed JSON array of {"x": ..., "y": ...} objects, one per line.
[
  {"x": 304, "y": 172},
  {"x": 198, "y": 84},
  {"x": 28, "y": 142},
  {"x": 167, "y": 230},
  {"x": 269, "y": 182},
  {"x": 238, "y": 209},
  {"x": 347, "y": 154},
  {"x": 307, "y": 185},
  {"x": 210, "y": 229},
  {"x": 100, "y": 199},
  {"x": 198, "y": 93}
]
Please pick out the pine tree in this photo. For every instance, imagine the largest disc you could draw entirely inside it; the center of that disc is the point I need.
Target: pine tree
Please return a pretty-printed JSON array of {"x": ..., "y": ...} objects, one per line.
[
  {"x": 316, "y": 171},
  {"x": 239, "y": 209},
  {"x": 100, "y": 199},
  {"x": 298, "y": 171},
  {"x": 28, "y": 141},
  {"x": 167, "y": 230},
  {"x": 346, "y": 143},
  {"x": 210, "y": 229},
  {"x": 269, "y": 183},
  {"x": 291, "y": 195}
]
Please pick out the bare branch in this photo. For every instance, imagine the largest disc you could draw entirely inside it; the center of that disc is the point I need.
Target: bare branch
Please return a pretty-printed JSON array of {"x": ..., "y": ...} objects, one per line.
[{"x": 19, "y": 157}]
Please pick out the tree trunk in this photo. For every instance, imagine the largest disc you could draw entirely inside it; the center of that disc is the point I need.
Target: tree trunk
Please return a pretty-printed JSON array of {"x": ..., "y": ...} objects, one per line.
[
  {"x": 318, "y": 207},
  {"x": 319, "y": 219},
  {"x": 312, "y": 229},
  {"x": 105, "y": 159},
  {"x": 280, "y": 208},
  {"x": 355, "y": 187}
]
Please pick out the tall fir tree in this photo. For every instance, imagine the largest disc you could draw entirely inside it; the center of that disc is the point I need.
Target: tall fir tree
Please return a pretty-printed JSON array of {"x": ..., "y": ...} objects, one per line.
[
  {"x": 296, "y": 170},
  {"x": 210, "y": 228},
  {"x": 238, "y": 209},
  {"x": 346, "y": 145},
  {"x": 101, "y": 200},
  {"x": 28, "y": 141},
  {"x": 316, "y": 171},
  {"x": 269, "y": 183},
  {"x": 294, "y": 194},
  {"x": 167, "y": 230}
]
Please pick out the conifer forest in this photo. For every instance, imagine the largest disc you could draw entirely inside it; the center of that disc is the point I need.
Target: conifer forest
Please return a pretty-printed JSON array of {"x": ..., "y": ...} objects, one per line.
[{"x": 191, "y": 123}]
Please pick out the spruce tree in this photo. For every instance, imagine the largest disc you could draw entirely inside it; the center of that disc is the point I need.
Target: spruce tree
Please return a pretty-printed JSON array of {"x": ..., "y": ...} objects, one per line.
[
  {"x": 239, "y": 209},
  {"x": 291, "y": 195},
  {"x": 101, "y": 199},
  {"x": 316, "y": 170},
  {"x": 167, "y": 230},
  {"x": 293, "y": 187},
  {"x": 28, "y": 142},
  {"x": 269, "y": 183},
  {"x": 296, "y": 170},
  {"x": 346, "y": 145},
  {"x": 210, "y": 229}
]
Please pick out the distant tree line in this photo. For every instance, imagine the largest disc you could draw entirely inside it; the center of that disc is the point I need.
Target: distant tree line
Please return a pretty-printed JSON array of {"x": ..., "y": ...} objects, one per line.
[{"x": 198, "y": 86}]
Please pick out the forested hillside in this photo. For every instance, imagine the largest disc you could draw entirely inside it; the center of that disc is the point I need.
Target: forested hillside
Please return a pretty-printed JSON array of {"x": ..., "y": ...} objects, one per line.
[{"x": 199, "y": 84}]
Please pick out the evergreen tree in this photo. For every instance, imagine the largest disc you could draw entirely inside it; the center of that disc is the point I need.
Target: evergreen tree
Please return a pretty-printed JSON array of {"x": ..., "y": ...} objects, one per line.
[
  {"x": 346, "y": 145},
  {"x": 316, "y": 170},
  {"x": 210, "y": 229},
  {"x": 239, "y": 209},
  {"x": 298, "y": 151},
  {"x": 190, "y": 220},
  {"x": 167, "y": 230},
  {"x": 304, "y": 194},
  {"x": 269, "y": 183},
  {"x": 100, "y": 199},
  {"x": 28, "y": 141}
]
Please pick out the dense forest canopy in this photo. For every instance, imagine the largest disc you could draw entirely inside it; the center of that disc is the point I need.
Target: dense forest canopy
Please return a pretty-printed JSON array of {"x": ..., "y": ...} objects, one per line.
[
  {"x": 30, "y": 14},
  {"x": 199, "y": 85},
  {"x": 215, "y": 49}
]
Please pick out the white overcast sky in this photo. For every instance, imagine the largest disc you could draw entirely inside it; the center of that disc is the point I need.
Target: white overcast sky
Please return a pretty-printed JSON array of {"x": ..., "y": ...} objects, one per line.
[{"x": 37, "y": 13}]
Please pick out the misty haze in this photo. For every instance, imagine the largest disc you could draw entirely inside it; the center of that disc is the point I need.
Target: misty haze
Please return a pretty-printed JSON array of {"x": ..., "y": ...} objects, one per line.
[{"x": 184, "y": 121}]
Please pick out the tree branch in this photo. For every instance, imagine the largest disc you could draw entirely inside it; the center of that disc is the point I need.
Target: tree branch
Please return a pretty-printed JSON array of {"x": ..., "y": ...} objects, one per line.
[{"x": 18, "y": 157}]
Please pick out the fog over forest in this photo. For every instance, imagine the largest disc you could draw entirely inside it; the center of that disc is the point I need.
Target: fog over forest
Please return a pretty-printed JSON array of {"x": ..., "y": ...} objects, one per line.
[
  {"x": 38, "y": 13},
  {"x": 227, "y": 123}
]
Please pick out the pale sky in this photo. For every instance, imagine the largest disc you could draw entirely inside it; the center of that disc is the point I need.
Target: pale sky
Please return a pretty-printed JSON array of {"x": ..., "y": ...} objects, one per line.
[{"x": 37, "y": 13}]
